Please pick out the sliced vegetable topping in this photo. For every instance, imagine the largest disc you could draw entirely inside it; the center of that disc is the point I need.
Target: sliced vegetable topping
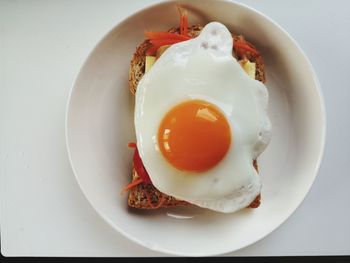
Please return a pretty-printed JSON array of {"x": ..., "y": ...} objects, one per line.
[
  {"x": 144, "y": 178},
  {"x": 138, "y": 165},
  {"x": 151, "y": 51},
  {"x": 132, "y": 185},
  {"x": 139, "y": 168},
  {"x": 242, "y": 45},
  {"x": 159, "y": 39},
  {"x": 183, "y": 21},
  {"x": 165, "y": 35}
]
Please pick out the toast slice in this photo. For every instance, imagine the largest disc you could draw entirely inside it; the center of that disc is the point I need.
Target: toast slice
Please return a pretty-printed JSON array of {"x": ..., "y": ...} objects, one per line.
[{"x": 146, "y": 196}]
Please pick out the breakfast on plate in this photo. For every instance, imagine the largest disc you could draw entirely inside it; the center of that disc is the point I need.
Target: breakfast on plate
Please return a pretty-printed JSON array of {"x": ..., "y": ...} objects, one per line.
[{"x": 200, "y": 119}]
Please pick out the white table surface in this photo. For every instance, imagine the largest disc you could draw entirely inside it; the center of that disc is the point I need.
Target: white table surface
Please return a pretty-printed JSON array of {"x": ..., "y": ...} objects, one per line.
[{"x": 43, "y": 211}]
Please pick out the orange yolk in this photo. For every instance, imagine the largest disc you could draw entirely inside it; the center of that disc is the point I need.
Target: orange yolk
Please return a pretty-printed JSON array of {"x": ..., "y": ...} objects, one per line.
[{"x": 194, "y": 136}]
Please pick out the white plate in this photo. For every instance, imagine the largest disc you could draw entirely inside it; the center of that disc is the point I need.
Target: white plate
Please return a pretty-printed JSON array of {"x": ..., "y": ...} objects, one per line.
[{"x": 100, "y": 124}]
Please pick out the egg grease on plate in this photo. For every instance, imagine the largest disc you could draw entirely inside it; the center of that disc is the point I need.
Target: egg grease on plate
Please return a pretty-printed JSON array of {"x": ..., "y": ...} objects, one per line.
[{"x": 200, "y": 120}]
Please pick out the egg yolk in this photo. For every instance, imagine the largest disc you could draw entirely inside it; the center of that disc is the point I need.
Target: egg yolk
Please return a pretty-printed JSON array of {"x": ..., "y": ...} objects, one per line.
[{"x": 194, "y": 136}]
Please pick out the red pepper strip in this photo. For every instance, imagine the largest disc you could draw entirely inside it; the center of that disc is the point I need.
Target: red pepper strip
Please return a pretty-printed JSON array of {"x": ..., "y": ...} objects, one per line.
[
  {"x": 162, "y": 42},
  {"x": 165, "y": 35},
  {"x": 157, "y": 43},
  {"x": 132, "y": 145},
  {"x": 138, "y": 165},
  {"x": 160, "y": 202},
  {"x": 151, "y": 51},
  {"x": 183, "y": 21},
  {"x": 185, "y": 25},
  {"x": 256, "y": 202},
  {"x": 132, "y": 185},
  {"x": 242, "y": 45}
]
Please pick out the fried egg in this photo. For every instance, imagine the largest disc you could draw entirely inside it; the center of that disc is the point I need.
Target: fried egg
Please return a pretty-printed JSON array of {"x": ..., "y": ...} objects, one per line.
[{"x": 200, "y": 120}]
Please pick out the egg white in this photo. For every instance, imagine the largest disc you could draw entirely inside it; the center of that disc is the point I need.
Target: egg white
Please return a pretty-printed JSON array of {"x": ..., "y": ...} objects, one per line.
[{"x": 204, "y": 68}]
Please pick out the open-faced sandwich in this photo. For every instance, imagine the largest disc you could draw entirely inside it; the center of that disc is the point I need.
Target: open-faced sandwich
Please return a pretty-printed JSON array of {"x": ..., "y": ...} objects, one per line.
[{"x": 200, "y": 119}]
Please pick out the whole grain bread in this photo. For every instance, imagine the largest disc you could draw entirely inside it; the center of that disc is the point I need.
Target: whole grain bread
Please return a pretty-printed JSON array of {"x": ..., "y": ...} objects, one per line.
[{"x": 146, "y": 196}]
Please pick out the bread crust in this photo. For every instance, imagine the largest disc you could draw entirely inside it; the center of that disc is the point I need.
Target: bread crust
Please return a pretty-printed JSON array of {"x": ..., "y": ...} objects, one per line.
[
  {"x": 144, "y": 195},
  {"x": 138, "y": 196}
]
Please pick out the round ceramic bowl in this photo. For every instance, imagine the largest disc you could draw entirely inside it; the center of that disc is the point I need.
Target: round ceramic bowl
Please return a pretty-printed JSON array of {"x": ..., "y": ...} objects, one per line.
[{"x": 99, "y": 126}]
